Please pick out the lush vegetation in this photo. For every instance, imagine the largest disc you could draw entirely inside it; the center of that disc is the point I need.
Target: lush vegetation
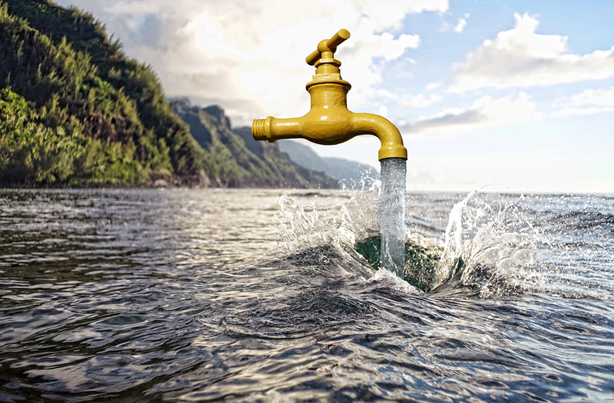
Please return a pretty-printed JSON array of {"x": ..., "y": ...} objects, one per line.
[
  {"x": 31, "y": 152},
  {"x": 106, "y": 113}
]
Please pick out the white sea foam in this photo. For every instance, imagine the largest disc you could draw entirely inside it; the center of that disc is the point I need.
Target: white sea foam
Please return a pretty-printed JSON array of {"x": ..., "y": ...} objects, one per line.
[{"x": 397, "y": 283}]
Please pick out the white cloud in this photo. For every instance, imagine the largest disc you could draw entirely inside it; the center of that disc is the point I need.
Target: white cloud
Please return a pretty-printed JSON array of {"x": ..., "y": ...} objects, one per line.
[
  {"x": 461, "y": 25},
  {"x": 433, "y": 86},
  {"x": 249, "y": 56},
  {"x": 521, "y": 57},
  {"x": 383, "y": 111},
  {"x": 416, "y": 101},
  {"x": 484, "y": 113},
  {"x": 602, "y": 100},
  {"x": 420, "y": 101},
  {"x": 603, "y": 97},
  {"x": 567, "y": 111}
]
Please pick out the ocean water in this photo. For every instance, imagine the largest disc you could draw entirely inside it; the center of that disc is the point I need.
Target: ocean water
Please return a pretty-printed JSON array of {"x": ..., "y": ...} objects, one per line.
[{"x": 267, "y": 295}]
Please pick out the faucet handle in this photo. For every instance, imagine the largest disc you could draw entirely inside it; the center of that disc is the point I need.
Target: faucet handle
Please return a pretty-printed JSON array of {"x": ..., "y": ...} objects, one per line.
[{"x": 328, "y": 45}]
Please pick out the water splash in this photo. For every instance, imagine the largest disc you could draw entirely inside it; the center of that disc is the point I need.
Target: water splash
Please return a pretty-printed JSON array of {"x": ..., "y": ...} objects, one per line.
[
  {"x": 490, "y": 243},
  {"x": 300, "y": 226},
  {"x": 392, "y": 196}
]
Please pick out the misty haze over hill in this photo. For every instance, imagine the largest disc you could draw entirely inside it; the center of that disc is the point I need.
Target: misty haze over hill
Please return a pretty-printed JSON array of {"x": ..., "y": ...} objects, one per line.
[{"x": 350, "y": 174}]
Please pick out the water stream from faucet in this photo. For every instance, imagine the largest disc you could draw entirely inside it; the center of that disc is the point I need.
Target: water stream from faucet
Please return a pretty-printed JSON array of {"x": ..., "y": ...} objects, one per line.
[{"x": 393, "y": 173}]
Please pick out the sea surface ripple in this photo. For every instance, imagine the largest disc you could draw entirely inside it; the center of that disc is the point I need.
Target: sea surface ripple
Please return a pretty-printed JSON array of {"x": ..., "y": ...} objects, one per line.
[{"x": 259, "y": 295}]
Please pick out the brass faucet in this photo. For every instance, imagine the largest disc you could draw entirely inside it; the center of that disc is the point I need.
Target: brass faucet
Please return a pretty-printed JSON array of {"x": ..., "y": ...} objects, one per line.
[{"x": 329, "y": 121}]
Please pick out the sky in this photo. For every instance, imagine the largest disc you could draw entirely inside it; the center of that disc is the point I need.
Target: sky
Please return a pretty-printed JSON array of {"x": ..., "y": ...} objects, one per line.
[{"x": 489, "y": 95}]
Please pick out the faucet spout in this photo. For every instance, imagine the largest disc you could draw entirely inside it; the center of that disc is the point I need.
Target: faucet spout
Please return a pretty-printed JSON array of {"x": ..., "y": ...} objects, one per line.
[
  {"x": 333, "y": 129},
  {"x": 386, "y": 132}
]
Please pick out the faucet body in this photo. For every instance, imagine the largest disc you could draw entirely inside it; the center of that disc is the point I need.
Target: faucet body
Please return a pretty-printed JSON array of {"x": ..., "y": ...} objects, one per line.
[{"x": 329, "y": 121}]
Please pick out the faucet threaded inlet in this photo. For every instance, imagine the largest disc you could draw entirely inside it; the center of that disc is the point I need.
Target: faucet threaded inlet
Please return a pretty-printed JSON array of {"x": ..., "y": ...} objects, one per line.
[{"x": 259, "y": 129}]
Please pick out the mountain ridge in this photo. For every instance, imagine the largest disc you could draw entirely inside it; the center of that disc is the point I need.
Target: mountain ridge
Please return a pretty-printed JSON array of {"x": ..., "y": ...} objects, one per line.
[
  {"x": 350, "y": 174},
  {"x": 239, "y": 160}
]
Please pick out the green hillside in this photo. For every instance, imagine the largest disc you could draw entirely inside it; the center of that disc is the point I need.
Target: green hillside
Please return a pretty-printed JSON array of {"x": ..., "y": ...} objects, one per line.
[{"x": 103, "y": 116}]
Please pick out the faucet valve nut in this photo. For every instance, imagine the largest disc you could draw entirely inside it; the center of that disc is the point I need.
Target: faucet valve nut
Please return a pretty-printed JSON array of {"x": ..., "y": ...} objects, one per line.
[
  {"x": 261, "y": 129},
  {"x": 328, "y": 45}
]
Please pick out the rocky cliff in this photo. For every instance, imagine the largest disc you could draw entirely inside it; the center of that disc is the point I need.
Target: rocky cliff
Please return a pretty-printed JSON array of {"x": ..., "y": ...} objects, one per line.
[
  {"x": 350, "y": 174},
  {"x": 232, "y": 158}
]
